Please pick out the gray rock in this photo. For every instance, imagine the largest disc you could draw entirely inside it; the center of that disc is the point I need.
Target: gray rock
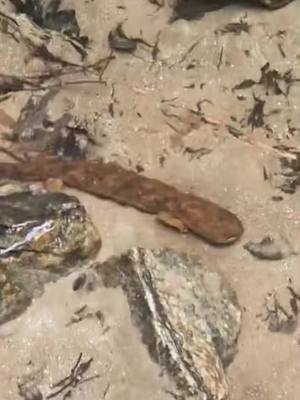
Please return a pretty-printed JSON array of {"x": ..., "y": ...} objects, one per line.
[
  {"x": 187, "y": 314},
  {"x": 43, "y": 236},
  {"x": 195, "y": 9},
  {"x": 271, "y": 247}
]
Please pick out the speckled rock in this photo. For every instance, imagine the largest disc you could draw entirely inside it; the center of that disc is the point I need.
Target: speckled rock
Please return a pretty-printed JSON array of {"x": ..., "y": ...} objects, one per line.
[
  {"x": 187, "y": 314},
  {"x": 43, "y": 236}
]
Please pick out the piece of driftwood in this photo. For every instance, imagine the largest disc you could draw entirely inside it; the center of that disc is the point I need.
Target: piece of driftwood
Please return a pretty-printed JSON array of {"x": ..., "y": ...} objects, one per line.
[{"x": 108, "y": 180}]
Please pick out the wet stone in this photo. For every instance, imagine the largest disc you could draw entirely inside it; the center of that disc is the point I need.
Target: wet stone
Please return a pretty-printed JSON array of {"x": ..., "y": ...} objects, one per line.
[
  {"x": 274, "y": 4},
  {"x": 196, "y": 9},
  {"x": 271, "y": 247},
  {"x": 187, "y": 314},
  {"x": 43, "y": 236}
]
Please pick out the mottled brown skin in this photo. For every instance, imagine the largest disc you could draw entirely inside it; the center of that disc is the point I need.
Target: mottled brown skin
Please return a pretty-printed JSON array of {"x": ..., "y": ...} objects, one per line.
[{"x": 200, "y": 216}]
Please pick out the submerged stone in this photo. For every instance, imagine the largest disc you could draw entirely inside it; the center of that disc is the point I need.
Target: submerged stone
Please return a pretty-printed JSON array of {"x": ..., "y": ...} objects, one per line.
[
  {"x": 187, "y": 314},
  {"x": 42, "y": 236}
]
